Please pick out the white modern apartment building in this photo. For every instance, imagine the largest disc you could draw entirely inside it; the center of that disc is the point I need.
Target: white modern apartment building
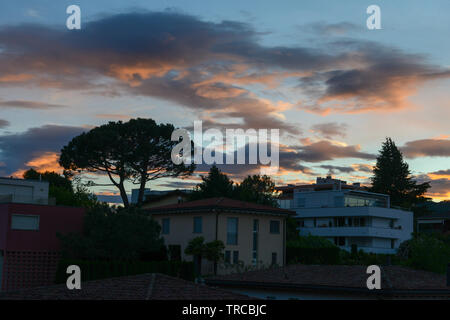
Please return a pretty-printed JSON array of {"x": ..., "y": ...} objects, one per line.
[
  {"x": 347, "y": 215},
  {"x": 24, "y": 191}
]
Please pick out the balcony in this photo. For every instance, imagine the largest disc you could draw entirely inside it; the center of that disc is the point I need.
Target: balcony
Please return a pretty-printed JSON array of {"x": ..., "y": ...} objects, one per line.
[
  {"x": 372, "y": 249},
  {"x": 352, "y": 232},
  {"x": 11, "y": 198}
]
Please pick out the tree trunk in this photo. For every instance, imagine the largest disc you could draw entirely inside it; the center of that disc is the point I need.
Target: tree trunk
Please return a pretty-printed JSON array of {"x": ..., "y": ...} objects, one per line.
[
  {"x": 198, "y": 265},
  {"x": 123, "y": 195},
  {"x": 142, "y": 189}
]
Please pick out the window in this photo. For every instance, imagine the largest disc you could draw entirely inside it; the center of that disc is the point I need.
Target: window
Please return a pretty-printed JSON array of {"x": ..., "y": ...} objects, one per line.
[
  {"x": 24, "y": 222},
  {"x": 392, "y": 243},
  {"x": 339, "y": 201},
  {"x": 165, "y": 226},
  {"x": 235, "y": 257},
  {"x": 274, "y": 226},
  {"x": 339, "y": 221},
  {"x": 301, "y": 202},
  {"x": 274, "y": 258},
  {"x": 232, "y": 231},
  {"x": 227, "y": 256},
  {"x": 197, "y": 224},
  {"x": 255, "y": 241},
  {"x": 362, "y": 222}
]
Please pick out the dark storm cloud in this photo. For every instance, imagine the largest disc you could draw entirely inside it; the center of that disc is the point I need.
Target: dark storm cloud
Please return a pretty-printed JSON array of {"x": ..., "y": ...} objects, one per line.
[
  {"x": 4, "y": 123},
  {"x": 19, "y": 148},
  {"x": 441, "y": 172},
  {"x": 426, "y": 148},
  {"x": 380, "y": 79},
  {"x": 335, "y": 169},
  {"x": 25, "y": 104},
  {"x": 176, "y": 184},
  {"x": 330, "y": 129},
  {"x": 180, "y": 58},
  {"x": 331, "y": 29},
  {"x": 293, "y": 158},
  {"x": 439, "y": 187},
  {"x": 325, "y": 150}
]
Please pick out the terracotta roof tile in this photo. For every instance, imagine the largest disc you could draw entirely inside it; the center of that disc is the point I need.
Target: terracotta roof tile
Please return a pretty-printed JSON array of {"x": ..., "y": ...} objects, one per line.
[
  {"x": 139, "y": 287},
  {"x": 392, "y": 277}
]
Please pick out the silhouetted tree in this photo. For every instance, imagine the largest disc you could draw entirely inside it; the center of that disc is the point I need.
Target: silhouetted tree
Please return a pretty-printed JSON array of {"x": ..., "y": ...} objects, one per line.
[
  {"x": 215, "y": 184},
  {"x": 393, "y": 177},
  {"x": 138, "y": 150},
  {"x": 65, "y": 191}
]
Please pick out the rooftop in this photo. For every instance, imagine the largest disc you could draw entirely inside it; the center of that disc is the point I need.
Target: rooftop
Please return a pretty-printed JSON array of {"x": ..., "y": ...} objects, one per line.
[
  {"x": 219, "y": 204},
  {"x": 150, "y": 286},
  {"x": 435, "y": 215},
  {"x": 394, "y": 279}
]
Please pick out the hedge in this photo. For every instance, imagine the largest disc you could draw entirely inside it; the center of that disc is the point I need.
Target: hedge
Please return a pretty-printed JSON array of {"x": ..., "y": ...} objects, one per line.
[
  {"x": 93, "y": 270},
  {"x": 313, "y": 255}
]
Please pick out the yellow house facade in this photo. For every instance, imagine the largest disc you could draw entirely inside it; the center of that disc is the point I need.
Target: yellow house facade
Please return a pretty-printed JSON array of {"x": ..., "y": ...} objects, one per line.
[{"x": 254, "y": 235}]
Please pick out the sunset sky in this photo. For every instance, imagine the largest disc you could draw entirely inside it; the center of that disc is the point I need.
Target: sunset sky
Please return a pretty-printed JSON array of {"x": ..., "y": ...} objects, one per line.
[{"x": 312, "y": 69}]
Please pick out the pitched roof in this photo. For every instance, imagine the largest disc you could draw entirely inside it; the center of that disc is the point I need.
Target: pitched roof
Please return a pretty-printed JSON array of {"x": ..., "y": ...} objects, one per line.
[
  {"x": 139, "y": 287},
  {"x": 219, "y": 204},
  {"x": 435, "y": 215},
  {"x": 394, "y": 279}
]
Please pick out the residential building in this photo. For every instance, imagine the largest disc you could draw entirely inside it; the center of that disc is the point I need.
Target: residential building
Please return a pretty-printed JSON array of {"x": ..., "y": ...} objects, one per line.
[
  {"x": 23, "y": 191},
  {"x": 436, "y": 222},
  {"x": 348, "y": 215},
  {"x": 29, "y": 246},
  {"x": 254, "y": 235},
  {"x": 334, "y": 282}
]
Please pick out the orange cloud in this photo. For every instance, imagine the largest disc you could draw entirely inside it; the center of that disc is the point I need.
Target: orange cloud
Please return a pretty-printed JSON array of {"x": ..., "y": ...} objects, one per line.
[
  {"x": 22, "y": 77},
  {"x": 45, "y": 162}
]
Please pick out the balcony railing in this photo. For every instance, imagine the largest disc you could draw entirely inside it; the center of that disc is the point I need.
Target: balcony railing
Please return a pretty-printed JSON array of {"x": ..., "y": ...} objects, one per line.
[
  {"x": 351, "y": 231},
  {"x": 11, "y": 198}
]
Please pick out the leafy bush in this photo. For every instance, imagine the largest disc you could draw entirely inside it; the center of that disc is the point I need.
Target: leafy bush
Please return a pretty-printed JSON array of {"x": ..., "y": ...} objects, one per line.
[
  {"x": 312, "y": 250},
  {"x": 365, "y": 258},
  {"x": 98, "y": 269},
  {"x": 313, "y": 255},
  {"x": 310, "y": 242},
  {"x": 123, "y": 234},
  {"x": 429, "y": 252}
]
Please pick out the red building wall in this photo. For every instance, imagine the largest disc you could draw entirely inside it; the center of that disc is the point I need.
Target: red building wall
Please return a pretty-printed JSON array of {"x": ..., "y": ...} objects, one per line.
[{"x": 30, "y": 257}]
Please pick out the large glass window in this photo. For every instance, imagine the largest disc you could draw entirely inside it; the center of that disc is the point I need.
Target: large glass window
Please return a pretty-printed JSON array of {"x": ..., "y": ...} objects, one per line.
[
  {"x": 198, "y": 224},
  {"x": 235, "y": 257},
  {"x": 301, "y": 202},
  {"x": 339, "y": 201},
  {"x": 165, "y": 226},
  {"x": 227, "y": 256},
  {"x": 232, "y": 231},
  {"x": 255, "y": 241},
  {"x": 275, "y": 226}
]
